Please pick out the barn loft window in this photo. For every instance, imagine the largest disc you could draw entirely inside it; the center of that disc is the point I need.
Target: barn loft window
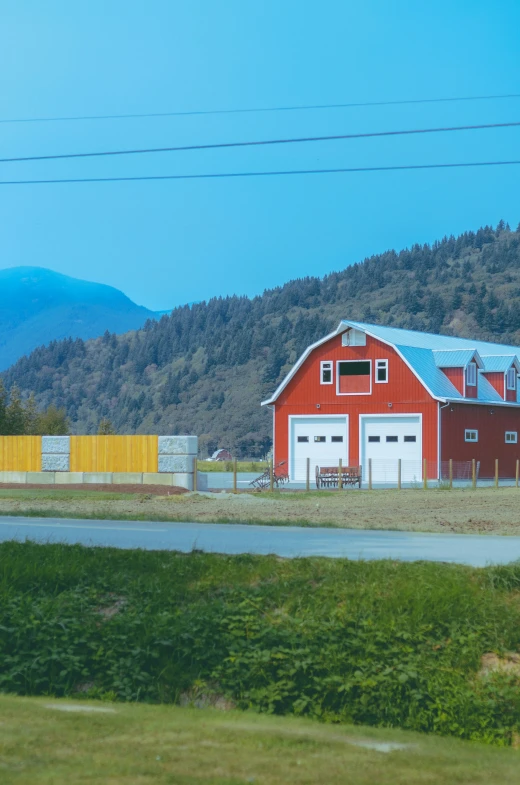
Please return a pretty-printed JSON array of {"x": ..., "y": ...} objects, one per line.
[
  {"x": 326, "y": 372},
  {"x": 511, "y": 379},
  {"x": 470, "y": 436},
  {"x": 354, "y": 338},
  {"x": 354, "y": 377},
  {"x": 471, "y": 375},
  {"x": 511, "y": 437},
  {"x": 382, "y": 371}
]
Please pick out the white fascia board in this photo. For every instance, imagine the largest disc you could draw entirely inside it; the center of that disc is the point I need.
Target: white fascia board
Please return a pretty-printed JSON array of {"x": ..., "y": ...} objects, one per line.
[
  {"x": 478, "y": 359},
  {"x": 296, "y": 367}
]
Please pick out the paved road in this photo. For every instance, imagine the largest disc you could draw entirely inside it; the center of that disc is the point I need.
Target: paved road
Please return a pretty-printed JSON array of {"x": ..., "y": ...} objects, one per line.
[{"x": 288, "y": 541}]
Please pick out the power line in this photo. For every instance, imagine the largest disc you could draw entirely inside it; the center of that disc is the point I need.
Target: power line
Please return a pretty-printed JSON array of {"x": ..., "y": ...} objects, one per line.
[
  {"x": 297, "y": 108},
  {"x": 257, "y": 143},
  {"x": 405, "y": 167}
]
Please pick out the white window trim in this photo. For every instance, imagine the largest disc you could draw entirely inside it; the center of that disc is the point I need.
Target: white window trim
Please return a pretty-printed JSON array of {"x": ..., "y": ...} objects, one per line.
[
  {"x": 378, "y": 364},
  {"x": 514, "y": 440},
  {"x": 331, "y": 364},
  {"x": 361, "y": 360},
  {"x": 511, "y": 374},
  {"x": 470, "y": 430},
  {"x": 471, "y": 365}
]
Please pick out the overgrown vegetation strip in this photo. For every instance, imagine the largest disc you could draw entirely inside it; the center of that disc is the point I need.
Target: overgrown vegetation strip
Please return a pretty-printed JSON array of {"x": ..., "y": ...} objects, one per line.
[{"x": 380, "y": 643}]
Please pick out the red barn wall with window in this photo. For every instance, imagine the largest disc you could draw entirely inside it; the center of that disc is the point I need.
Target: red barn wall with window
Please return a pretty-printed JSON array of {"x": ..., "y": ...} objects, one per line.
[
  {"x": 403, "y": 390},
  {"x": 456, "y": 418}
]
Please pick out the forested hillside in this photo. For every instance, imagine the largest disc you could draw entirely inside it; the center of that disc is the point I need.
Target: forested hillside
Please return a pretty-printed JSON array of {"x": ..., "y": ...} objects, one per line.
[{"x": 205, "y": 368}]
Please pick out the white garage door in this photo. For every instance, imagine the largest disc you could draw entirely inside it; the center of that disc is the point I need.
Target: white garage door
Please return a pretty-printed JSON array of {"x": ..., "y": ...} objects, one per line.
[
  {"x": 323, "y": 439},
  {"x": 385, "y": 440}
]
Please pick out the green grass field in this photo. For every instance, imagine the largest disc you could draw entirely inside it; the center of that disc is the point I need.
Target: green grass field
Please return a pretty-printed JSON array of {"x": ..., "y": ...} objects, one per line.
[
  {"x": 227, "y": 466},
  {"x": 132, "y": 744}
]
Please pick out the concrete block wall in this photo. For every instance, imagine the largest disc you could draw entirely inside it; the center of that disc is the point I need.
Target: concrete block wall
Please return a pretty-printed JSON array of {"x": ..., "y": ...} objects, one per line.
[
  {"x": 55, "y": 453},
  {"x": 177, "y": 456}
]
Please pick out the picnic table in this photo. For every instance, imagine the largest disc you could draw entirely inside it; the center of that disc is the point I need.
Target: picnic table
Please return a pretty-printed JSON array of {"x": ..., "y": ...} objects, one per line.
[
  {"x": 280, "y": 476},
  {"x": 328, "y": 476}
]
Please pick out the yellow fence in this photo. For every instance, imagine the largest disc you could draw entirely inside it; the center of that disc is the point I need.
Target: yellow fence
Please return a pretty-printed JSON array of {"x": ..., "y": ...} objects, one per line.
[
  {"x": 113, "y": 453},
  {"x": 20, "y": 453}
]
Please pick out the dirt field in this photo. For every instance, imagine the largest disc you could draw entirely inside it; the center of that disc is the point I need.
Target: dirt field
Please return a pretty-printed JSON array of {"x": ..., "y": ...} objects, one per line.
[
  {"x": 155, "y": 490},
  {"x": 485, "y": 511}
]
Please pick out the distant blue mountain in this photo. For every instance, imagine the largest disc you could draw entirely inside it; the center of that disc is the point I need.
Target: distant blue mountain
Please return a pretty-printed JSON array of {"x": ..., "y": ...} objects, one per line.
[{"x": 39, "y": 305}]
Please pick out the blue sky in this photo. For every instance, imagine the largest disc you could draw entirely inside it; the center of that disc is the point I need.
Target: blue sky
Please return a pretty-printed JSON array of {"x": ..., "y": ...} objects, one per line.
[{"x": 173, "y": 242}]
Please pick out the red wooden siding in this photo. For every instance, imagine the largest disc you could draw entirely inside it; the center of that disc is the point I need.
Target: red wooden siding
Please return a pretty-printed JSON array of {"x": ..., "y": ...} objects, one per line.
[
  {"x": 354, "y": 385},
  {"x": 496, "y": 378},
  {"x": 403, "y": 391},
  {"x": 491, "y": 424},
  {"x": 456, "y": 377}
]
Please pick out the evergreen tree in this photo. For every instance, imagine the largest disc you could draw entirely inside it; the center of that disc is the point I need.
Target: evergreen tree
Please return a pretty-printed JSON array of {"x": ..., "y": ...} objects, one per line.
[
  {"x": 3, "y": 413},
  {"x": 15, "y": 413},
  {"x": 53, "y": 422},
  {"x": 32, "y": 416},
  {"x": 276, "y": 361},
  {"x": 105, "y": 427}
]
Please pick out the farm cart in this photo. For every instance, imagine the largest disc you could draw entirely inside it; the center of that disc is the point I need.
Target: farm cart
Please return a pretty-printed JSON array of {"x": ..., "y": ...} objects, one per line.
[{"x": 328, "y": 476}]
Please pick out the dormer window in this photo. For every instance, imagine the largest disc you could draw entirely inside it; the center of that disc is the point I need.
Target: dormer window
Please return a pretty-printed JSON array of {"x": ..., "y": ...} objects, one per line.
[
  {"x": 511, "y": 379},
  {"x": 471, "y": 375}
]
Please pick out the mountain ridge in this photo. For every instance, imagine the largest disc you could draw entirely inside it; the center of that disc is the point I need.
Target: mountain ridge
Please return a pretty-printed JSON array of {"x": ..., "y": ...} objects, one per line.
[
  {"x": 205, "y": 368},
  {"x": 38, "y": 305}
]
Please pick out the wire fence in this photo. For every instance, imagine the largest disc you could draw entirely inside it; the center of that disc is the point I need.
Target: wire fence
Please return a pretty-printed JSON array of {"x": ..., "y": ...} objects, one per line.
[{"x": 372, "y": 474}]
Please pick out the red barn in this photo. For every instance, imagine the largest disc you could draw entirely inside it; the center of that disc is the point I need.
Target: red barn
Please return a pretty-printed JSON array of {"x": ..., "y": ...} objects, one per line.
[{"x": 381, "y": 393}]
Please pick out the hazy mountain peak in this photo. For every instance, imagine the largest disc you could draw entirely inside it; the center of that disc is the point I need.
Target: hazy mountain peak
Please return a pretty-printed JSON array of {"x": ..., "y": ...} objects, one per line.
[{"x": 38, "y": 305}]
